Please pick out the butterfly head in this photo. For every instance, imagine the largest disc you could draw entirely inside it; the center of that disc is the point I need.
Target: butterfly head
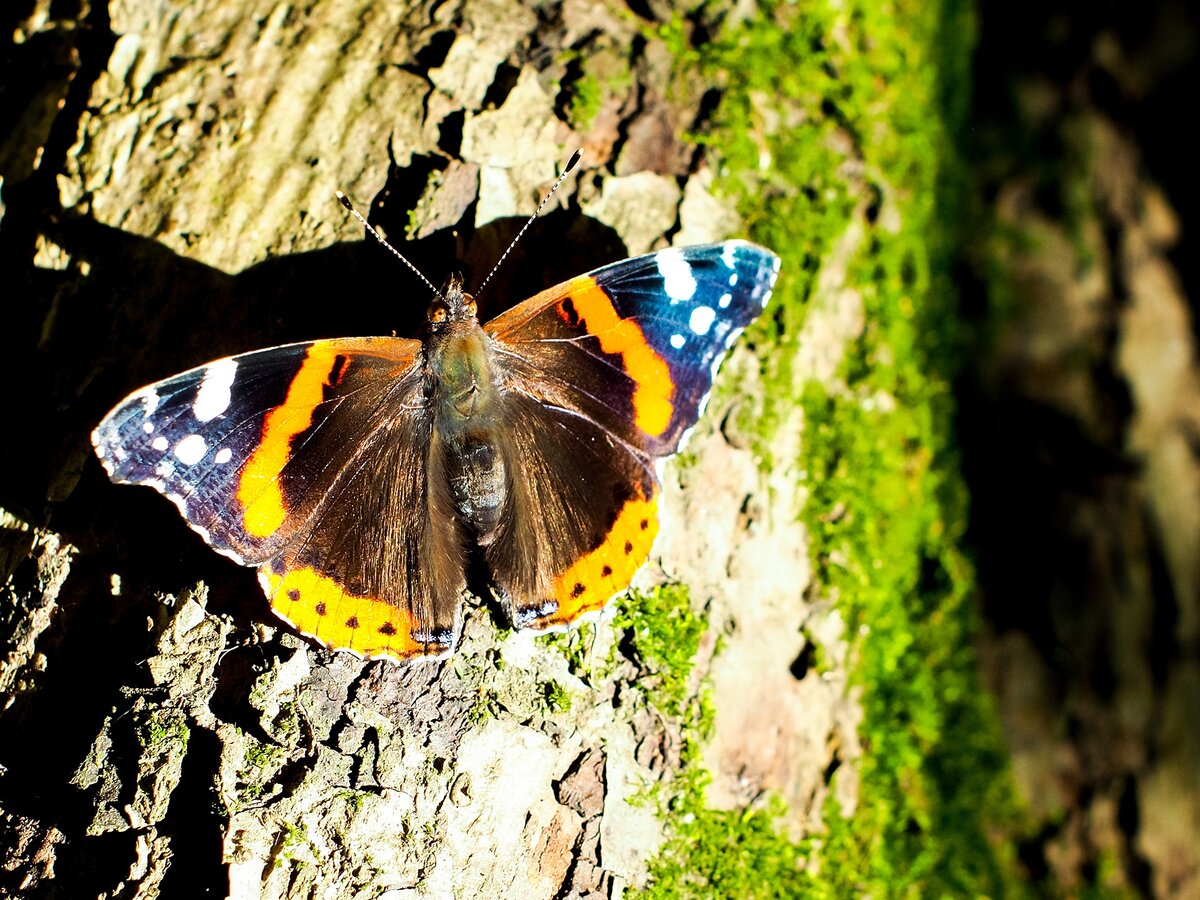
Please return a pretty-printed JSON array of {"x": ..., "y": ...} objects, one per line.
[{"x": 453, "y": 306}]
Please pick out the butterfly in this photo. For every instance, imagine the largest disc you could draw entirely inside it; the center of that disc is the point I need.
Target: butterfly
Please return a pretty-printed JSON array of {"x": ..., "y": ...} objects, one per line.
[{"x": 360, "y": 476}]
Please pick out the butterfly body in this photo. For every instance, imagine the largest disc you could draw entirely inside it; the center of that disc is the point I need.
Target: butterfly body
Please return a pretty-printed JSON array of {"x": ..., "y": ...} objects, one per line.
[
  {"x": 467, "y": 408},
  {"x": 360, "y": 475}
]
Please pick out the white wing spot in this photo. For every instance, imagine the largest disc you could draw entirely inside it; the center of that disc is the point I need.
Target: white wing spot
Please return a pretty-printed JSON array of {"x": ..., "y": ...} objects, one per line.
[
  {"x": 149, "y": 398},
  {"x": 727, "y": 254},
  {"x": 148, "y": 427},
  {"x": 223, "y": 456},
  {"x": 724, "y": 301},
  {"x": 213, "y": 397},
  {"x": 160, "y": 444},
  {"x": 676, "y": 273},
  {"x": 677, "y": 341},
  {"x": 701, "y": 319},
  {"x": 191, "y": 450},
  {"x": 733, "y": 279}
]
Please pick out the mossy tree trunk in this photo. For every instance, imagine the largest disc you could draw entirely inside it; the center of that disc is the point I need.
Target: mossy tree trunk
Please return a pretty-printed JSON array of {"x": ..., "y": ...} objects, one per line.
[
  {"x": 167, "y": 183},
  {"x": 168, "y": 188}
]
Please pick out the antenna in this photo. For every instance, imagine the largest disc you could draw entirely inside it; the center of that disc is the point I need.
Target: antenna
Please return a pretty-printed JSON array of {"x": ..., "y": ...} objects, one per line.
[
  {"x": 345, "y": 201},
  {"x": 565, "y": 172}
]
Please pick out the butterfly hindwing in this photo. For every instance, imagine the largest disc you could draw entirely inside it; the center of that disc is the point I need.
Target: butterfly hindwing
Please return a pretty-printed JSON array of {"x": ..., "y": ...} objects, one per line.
[
  {"x": 579, "y": 522},
  {"x": 381, "y": 568}
]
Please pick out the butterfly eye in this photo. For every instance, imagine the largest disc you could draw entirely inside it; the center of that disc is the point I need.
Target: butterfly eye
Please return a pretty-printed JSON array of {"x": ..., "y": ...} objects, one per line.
[
  {"x": 437, "y": 313},
  {"x": 470, "y": 307}
]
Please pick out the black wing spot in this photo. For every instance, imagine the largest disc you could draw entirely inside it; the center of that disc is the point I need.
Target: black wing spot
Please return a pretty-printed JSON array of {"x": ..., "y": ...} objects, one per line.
[
  {"x": 352, "y": 622},
  {"x": 320, "y": 609},
  {"x": 387, "y": 628},
  {"x": 578, "y": 589},
  {"x": 644, "y": 524},
  {"x": 341, "y": 365},
  {"x": 571, "y": 313},
  {"x": 628, "y": 548},
  {"x": 606, "y": 571},
  {"x": 293, "y": 595}
]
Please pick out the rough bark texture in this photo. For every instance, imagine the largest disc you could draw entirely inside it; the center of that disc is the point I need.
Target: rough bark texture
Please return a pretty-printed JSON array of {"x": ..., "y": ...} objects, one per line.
[{"x": 169, "y": 185}]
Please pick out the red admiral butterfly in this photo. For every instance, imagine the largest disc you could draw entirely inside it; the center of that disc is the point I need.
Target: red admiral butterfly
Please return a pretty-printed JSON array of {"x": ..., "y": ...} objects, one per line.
[{"x": 357, "y": 474}]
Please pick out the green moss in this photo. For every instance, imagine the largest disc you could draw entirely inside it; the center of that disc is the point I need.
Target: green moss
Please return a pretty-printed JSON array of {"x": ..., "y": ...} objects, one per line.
[
  {"x": 485, "y": 706},
  {"x": 575, "y": 646},
  {"x": 285, "y": 726},
  {"x": 555, "y": 697},
  {"x": 727, "y": 854},
  {"x": 250, "y": 794},
  {"x": 1108, "y": 882},
  {"x": 600, "y": 76},
  {"x": 662, "y": 633},
  {"x": 708, "y": 853},
  {"x": 933, "y": 780},
  {"x": 261, "y": 756},
  {"x": 355, "y": 800},
  {"x": 260, "y": 691},
  {"x": 818, "y": 91},
  {"x": 586, "y": 97},
  {"x": 161, "y": 731},
  {"x": 295, "y": 841},
  {"x": 254, "y": 777}
]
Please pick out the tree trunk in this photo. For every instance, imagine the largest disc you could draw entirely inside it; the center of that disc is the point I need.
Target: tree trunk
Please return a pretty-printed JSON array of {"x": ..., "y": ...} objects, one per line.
[
  {"x": 169, "y": 190},
  {"x": 1082, "y": 427}
]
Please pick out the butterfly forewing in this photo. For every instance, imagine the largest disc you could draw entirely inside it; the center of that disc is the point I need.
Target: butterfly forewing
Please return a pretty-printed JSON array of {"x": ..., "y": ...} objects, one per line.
[
  {"x": 245, "y": 446},
  {"x": 634, "y": 346}
]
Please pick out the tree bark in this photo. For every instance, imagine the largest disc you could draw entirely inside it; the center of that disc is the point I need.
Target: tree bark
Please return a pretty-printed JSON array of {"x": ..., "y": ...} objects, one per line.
[{"x": 169, "y": 200}]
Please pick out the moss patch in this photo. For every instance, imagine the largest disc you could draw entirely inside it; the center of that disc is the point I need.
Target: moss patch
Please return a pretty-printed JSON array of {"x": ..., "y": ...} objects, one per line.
[
  {"x": 593, "y": 79},
  {"x": 818, "y": 99},
  {"x": 163, "y": 731},
  {"x": 708, "y": 853},
  {"x": 662, "y": 635}
]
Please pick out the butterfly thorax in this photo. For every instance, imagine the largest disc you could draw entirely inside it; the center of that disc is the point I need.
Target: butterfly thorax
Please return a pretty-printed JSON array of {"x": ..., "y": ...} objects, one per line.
[{"x": 465, "y": 402}]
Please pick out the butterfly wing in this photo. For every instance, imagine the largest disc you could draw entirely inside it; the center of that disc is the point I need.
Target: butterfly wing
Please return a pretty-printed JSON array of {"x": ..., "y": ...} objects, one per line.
[
  {"x": 282, "y": 459},
  {"x": 605, "y": 374},
  {"x": 580, "y": 520},
  {"x": 380, "y": 569}
]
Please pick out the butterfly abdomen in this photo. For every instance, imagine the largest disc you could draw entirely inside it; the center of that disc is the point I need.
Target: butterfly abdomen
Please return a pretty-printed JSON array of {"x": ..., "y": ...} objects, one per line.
[{"x": 477, "y": 483}]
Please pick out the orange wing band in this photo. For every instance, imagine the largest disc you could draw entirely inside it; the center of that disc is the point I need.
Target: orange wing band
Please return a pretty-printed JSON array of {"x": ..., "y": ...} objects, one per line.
[
  {"x": 321, "y": 608},
  {"x": 595, "y": 578},
  {"x": 259, "y": 492},
  {"x": 652, "y": 408}
]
